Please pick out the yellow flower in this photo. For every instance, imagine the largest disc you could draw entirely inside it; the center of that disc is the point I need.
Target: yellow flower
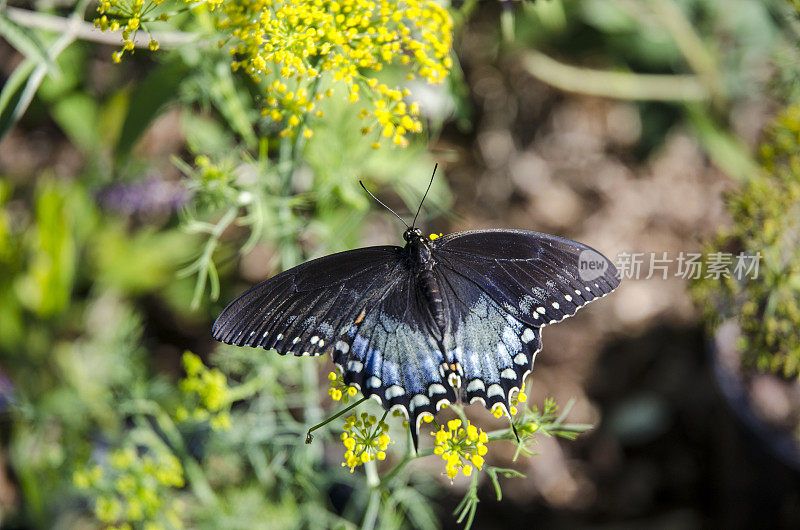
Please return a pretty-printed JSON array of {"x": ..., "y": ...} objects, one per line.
[
  {"x": 339, "y": 390},
  {"x": 461, "y": 447},
  {"x": 365, "y": 439}
]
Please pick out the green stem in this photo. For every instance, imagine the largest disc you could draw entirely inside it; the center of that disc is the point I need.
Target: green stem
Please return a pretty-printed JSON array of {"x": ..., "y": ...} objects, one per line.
[
  {"x": 371, "y": 514},
  {"x": 400, "y": 465},
  {"x": 309, "y": 438},
  {"x": 618, "y": 85},
  {"x": 690, "y": 45},
  {"x": 87, "y": 31}
]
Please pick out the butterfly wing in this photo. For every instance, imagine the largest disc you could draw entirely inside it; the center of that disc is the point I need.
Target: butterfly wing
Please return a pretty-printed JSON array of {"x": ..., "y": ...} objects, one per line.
[
  {"x": 394, "y": 355},
  {"x": 303, "y": 310},
  {"x": 494, "y": 349},
  {"x": 501, "y": 287},
  {"x": 538, "y": 278},
  {"x": 365, "y": 308}
]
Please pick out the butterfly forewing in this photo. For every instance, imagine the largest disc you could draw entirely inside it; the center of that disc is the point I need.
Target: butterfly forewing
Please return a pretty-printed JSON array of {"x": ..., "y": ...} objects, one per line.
[
  {"x": 534, "y": 277},
  {"x": 304, "y": 310}
]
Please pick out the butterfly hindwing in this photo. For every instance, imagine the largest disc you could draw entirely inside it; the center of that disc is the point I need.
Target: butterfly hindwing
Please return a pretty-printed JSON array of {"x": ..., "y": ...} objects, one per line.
[
  {"x": 494, "y": 349},
  {"x": 393, "y": 355}
]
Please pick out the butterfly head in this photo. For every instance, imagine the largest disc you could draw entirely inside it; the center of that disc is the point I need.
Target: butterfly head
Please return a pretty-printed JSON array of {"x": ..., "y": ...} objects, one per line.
[{"x": 413, "y": 234}]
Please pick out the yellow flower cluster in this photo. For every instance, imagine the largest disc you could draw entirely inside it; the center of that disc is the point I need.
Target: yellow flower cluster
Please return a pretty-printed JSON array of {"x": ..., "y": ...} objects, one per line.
[
  {"x": 128, "y": 16},
  {"x": 210, "y": 387},
  {"x": 344, "y": 44},
  {"x": 304, "y": 51},
  {"x": 339, "y": 390},
  {"x": 365, "y": 439},
  {"x": 130, "y": 490},
  {"x": 460, "y": 447}
]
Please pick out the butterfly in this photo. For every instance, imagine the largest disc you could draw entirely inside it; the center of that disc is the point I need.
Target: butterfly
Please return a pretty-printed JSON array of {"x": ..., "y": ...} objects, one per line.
[{"x": 437, "y": 321}]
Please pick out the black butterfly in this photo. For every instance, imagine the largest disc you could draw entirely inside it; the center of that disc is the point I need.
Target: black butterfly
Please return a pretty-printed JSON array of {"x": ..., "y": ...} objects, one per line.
[{"x": 438, "y": 320}]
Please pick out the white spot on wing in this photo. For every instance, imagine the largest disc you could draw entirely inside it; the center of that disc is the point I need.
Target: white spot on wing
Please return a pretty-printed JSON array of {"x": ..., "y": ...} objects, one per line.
[
  {"x": 314, "y": 339},
  {"x": 528, "y": 335},
  {"x": 494, "y": 390},
  {"x": 419, "y": 401},
  {"x": 521, "y": 359},
  {"x": 373, "y": 382},
  {"x": 555, "y": 305},
  {"x": 355, "y": 366},
  {"x": 295, "y": 340},
  {"x": 342, "y": 346},
  {"x": 475, "y": 385},
  {"x": 540, "y": 309},
  {"x": 508, "y": 373},
  {"x": 436, "y": 388},
  {"x": 395, "y": 391}
]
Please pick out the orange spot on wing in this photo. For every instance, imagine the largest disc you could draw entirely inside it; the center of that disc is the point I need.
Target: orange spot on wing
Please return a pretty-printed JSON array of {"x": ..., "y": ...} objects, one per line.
[{"x": 360, "y": 318}]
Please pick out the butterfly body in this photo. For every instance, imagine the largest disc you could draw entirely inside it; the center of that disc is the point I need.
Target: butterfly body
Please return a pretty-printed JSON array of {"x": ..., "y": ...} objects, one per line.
[{"x": 456, "y": 318}]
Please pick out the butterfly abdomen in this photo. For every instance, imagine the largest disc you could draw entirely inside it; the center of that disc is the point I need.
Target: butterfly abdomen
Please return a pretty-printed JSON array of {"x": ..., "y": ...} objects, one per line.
[
  {"x": 433, "y": 295},
  {"x": 421, "y": 262}
]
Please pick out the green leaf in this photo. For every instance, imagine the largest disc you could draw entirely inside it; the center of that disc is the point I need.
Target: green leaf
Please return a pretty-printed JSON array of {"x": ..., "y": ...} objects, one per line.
[
  {"x": 11, "y": 94},
  {"x": 47, "y": 285},
  {"x": 147, "y": 101},
  {"x": 67, "y": 75},
  {"x": 111, "y": 117},
  {"x": 728, "y": 152},
  {"x": 230, "y": 103},
  {"x": 77, "y": 116},
  {"x": 205, "y": 135}
]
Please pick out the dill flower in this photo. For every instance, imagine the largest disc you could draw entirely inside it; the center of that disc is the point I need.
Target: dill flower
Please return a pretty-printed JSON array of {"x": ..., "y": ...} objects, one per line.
[
  {"x": 461, "y": 447},
  {"x": 365, "y": 439},
  {"x": 339, "y": 390},
  {"x": 520, "y": 397},
  {"x": 209, "y": 388},
  {"x": 133, "y": 487},
  {"x": 343, "y": 45},
  {"x": 305, "y": 51}
]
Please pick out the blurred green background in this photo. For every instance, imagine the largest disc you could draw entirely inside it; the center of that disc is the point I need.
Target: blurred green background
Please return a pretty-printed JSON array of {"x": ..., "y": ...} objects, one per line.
[{"x": 137, "y": 199}]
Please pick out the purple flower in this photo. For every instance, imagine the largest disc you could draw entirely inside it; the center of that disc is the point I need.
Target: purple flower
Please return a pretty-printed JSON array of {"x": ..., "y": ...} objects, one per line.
[{"x": 145, "y": 198}]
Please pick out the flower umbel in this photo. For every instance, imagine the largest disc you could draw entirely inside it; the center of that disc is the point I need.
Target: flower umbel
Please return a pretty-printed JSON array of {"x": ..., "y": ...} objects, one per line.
[
  {"x": 210, "y": 388},
  {"x": 344, "y": 44},
  {"x": 461, "y": 447},
  {"x": 365, "y": 439},
  {"x": 133, "y": 487}
]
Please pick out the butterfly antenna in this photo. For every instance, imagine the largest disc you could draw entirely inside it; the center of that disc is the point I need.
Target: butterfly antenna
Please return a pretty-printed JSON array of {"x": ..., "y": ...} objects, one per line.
[
  {"x": 426, "y": 194},
  {"x": 379, "y": 202}
]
